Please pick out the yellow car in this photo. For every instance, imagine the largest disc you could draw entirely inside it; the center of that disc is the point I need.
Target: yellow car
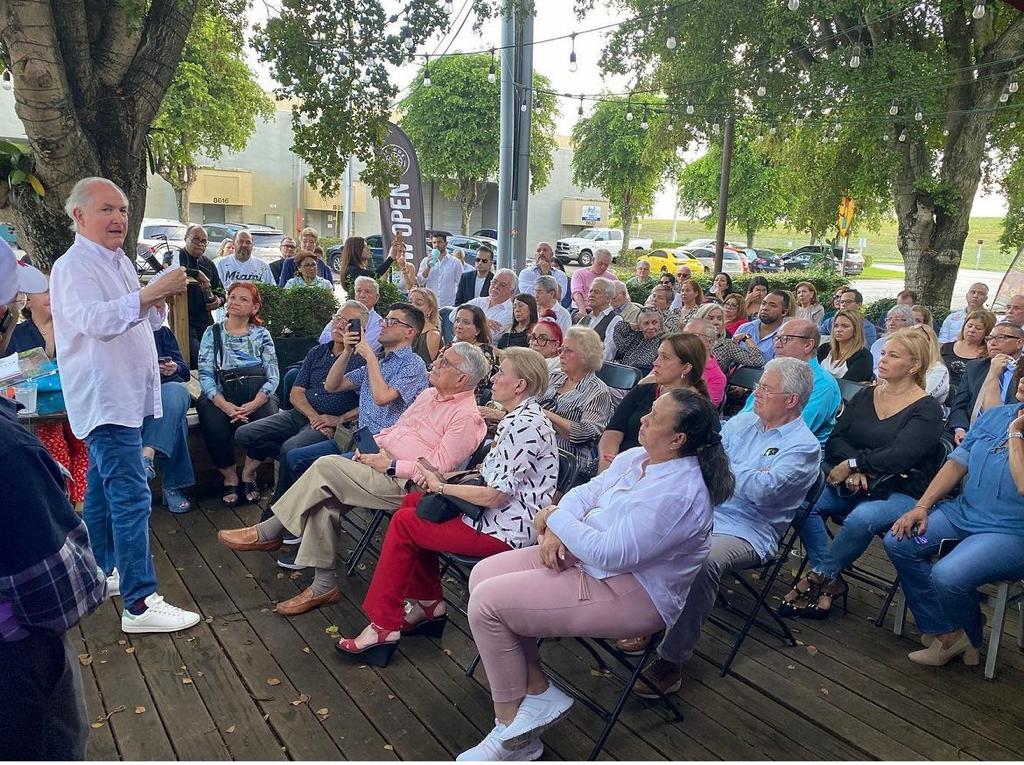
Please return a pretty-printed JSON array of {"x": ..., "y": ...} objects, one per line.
[{"x": 671, "y": 260}]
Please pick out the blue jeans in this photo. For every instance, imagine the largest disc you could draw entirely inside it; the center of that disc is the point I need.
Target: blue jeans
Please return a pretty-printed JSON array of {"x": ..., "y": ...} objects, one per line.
[
  {"x": 168, "y": 435},
  {"x": 117, "y": 507},
  {"x": 298, "y": 461},
  {"x": 862, "y": 520},
  {"x": 944, "y": 596}
]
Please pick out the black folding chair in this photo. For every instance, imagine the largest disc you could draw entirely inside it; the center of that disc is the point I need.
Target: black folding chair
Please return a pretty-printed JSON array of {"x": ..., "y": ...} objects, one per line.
[
  {"x": 848, "y": 389},
  {"x": 619, "y": 376},
  {"x": 770, "y": 570},
  {"x": 740, "y": 377}
]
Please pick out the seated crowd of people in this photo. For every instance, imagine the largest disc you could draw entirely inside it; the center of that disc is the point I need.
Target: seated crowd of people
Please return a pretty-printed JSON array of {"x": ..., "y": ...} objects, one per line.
[{"x": 387, "y": 413}]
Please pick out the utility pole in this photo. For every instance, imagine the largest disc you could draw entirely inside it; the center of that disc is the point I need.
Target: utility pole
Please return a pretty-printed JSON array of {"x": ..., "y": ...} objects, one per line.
[
  {"x": 506, "y": 140},
  {"x": 723, "y": 192},
  {"x": 346, "y": 226},
  {"x": 521, "y": 175}
]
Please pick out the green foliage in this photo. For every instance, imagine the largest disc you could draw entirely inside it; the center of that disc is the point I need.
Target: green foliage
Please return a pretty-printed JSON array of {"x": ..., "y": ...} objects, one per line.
[
  {"x": 877, "y": 310},
  {"x": 454, "y": 124},
  {"x": 299, "y": 311},
  {"x": 638, "y": 293},
  {"x": 389, "y": 294},
  {"x": 826, "y": 282},
  {"x": 16, "y": 166},
  {"x": 211, "y": 105}
]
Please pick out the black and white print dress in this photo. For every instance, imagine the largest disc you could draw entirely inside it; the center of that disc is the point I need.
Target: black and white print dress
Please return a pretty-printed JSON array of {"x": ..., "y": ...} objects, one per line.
[{"x": 522, "y": 463}]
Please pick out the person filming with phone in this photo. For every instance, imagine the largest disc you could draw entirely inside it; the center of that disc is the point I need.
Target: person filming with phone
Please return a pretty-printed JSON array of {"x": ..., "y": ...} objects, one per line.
[{"x": 442, "y": 424}]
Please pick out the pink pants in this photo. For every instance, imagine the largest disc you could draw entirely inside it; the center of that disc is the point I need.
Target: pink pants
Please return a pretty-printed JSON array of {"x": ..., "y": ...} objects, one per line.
[{"x": 514, "y": 599}]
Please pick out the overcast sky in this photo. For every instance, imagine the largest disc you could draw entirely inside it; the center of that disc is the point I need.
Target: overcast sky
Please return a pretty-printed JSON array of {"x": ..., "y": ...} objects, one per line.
[{"x": 554, "y": 18}]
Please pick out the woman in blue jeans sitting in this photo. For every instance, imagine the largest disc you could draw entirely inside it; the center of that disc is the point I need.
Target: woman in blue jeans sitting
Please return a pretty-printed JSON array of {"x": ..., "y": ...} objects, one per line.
[
  {"x": 892, "y": 428},
  {"x": 165, "y": 439},
  {"x": 987, "y": 522}
]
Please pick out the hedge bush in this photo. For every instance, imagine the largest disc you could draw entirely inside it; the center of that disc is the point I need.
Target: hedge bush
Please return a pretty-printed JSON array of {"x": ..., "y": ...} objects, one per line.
[
  {"x": 389, "y": 293},
  {"x": 877, "y": 310},
  {"x": 826, "y": 282},
  {"x": 298, "y": 311}
]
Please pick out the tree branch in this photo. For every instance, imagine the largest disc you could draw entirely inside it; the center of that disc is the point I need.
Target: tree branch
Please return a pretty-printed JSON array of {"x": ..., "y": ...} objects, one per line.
[
  {"x": 71, "y": 29},
  {"x": 117, "y": 45}
]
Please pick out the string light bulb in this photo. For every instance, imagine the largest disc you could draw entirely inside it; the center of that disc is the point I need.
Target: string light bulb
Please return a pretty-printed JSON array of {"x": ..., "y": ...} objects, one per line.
[
  {"x": 1012, "y": 84},
  {"x": 799, "y": 121},
  {"x": 689, "y": 107},
  {"x": 793, "y": 5},
  {"x": 7, "y": 79},
  {"x": 523, "y": 107},
  {"x": 491, "y": 76},
  {"x": 1004, "y": 97},
  {"x": 762, "y": 88},
  {"x": 426, "y": 72},
  {"x": 670, "y": 41},
  {"x": 903, "y": 135},
  {"x": 644, "y": 124},
  {"x": 979, "y": 10},
  {"x": 670, "y": 127},
  {"x": 945, "y": 132},
  {"x": 918, "y": 114},
  {"x": 894, "y": 108},
  {"x": 855, "y": 57},
  {"x": 715, "y": 128},
  {"x": 1013, "y": 124},
  {"x": 580, "y": 110},
  {"x": 572, "y": 54}
]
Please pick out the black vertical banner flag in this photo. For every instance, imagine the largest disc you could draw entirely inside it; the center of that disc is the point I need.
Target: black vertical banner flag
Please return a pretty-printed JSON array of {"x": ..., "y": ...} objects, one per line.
[{"x": 402, "y": 209}]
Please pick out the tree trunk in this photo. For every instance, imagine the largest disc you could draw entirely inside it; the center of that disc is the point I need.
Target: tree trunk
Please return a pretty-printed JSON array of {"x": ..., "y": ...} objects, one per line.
[
  {"x": 750, "y": 235},
  {"x": 627, "y": 221},
  {"x": 470, "y": 198}
]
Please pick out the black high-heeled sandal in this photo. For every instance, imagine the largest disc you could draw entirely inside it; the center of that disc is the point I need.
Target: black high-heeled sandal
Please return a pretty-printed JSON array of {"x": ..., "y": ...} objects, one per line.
[
  {"x": 431, "y": 626},
  {"x": 231, "y": 490},
  {"x": 828, "y": 594},
  {"x": 251, "y": 491},
  {"x": 804, "y": 593}
]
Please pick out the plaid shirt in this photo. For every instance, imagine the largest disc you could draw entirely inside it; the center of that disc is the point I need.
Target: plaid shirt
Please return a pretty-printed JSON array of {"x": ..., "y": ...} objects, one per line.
[{"x": 55, "y": 593}]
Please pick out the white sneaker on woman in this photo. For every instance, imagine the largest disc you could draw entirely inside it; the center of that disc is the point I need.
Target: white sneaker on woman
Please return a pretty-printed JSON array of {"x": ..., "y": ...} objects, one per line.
[
  {"x": 159, "y": 616},
  {"x": 536, "y": 714},
  {"x": 491, "y": 749}
]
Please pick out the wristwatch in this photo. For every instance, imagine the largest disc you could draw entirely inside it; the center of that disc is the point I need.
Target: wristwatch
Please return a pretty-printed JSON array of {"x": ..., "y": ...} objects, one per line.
[
  {"x": 852, "y": 463},
  {"x": 390, "y": 469}
]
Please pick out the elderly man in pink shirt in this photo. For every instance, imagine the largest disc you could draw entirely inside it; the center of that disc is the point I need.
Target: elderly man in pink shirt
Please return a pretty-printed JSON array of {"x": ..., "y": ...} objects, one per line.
[
  {"x": 443, "y": 424},
  {"x": 584, "y": 278}
]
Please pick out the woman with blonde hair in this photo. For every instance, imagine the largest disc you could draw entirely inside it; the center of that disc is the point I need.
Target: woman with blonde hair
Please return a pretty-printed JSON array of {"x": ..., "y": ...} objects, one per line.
[
  {"x": 937, "y": 377},
  {"x": 428, "y": 343},
  {"x": 844, "y": 355},
  {"x": 923, "y": 315},
  {"x": 227, "y": 247},
  {"x": 727, "y": 353},
  {"x": 807, "y": 304}
]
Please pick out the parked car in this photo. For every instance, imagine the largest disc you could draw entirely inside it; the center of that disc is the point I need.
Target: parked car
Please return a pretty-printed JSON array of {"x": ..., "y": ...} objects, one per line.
[
  {"x": 732, "y": 260},
  {"x": 376, "y": 244},
  {"x": 580, "y": 248},
  {"x": 670, "y": 260},
  {"x": 158, "y": 238},
  {"x": 764, "y": 261},
  {"x": 217, "y": 233},
  {"x": 823, "y": 256},
  {"x": 489, "y": 233}
]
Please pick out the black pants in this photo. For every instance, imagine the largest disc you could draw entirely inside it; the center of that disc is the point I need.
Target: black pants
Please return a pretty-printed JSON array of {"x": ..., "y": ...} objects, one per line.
[
  {"x": 218, "y": 431},
  {"x": 42, "y": 706},
  {"x": 195, "y": 336}
]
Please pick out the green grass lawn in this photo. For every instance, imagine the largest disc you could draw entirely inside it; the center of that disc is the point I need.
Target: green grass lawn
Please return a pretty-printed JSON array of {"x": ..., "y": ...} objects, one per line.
[{"x": 880, "y": 245}]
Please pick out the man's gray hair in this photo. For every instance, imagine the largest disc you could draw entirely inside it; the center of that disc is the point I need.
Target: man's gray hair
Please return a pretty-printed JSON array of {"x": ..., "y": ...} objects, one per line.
[
  {"x": 372, "y": 283},
  {"x": 511, "y": 274},
  {"x": 602, "y": 252},
  {"x": 620, "y": 287},
  {"x": 364, "y": 312},
  {"x": 605, "y": 284},
  {"x": 701, "y": 326},
  {"x": 474, "y": 363},
  {"x": 547, "y": 283},
  {"x": 797, "y": 377},
  {"x": 903, "y": 311},
  {"x": 80, "y": 195}
]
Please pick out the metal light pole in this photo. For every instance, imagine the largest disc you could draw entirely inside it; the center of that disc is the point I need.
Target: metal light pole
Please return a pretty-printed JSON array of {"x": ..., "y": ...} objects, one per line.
[
  {"x": 521, "y": 174},
  {"x": 506, "y": 140},
  {"x": 723, "y": 192}
]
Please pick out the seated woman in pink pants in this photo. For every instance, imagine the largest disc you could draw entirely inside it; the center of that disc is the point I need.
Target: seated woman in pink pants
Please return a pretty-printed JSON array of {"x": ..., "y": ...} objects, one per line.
[{"x": 617, "y": 552}]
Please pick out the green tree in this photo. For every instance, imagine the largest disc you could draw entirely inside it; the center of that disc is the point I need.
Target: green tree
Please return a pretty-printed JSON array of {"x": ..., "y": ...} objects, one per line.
[
  {"x": 930, "y": 58},
  {"x": 758, "y": 194},
  {"x": 622, "y": 158},
  {"x": 454, "y": 124},
  {"x": 211, "y": 105}
]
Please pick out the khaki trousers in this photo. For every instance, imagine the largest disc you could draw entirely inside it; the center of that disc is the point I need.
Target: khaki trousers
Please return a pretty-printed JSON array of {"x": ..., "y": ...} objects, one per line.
[{"x": 312, "y": 507}]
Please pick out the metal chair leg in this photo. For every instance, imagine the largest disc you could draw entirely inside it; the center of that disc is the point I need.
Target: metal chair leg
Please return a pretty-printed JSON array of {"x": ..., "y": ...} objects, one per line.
[
  {"x": 880, "y": 619},
  {"x": 472, "y": 667},
  {"x": 365, "y": 540},
  {"x": 899, "y": 624},
  {"x": 998, "y": 618}
]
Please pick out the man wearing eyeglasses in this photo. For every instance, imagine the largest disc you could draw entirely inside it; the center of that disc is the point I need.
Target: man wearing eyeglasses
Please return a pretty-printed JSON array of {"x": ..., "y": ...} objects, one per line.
[
  {"x": 799, "y": 339},
  {"x": 287, "y": 253},
  {"x": 987, "y": 380},
  {"x": 206, "y": 284},
  {"x": 851, "y": 300}
]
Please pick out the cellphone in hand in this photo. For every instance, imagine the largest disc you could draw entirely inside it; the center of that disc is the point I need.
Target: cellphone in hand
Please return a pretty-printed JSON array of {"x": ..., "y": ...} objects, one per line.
[
  {"x": 165, "y": 359},
  {"x": 365, "y": 442},
  {"x": 355, "y": 325}
]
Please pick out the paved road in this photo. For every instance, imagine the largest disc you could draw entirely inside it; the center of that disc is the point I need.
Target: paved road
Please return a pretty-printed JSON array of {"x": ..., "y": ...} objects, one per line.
[{"x": 873, "y": 289}]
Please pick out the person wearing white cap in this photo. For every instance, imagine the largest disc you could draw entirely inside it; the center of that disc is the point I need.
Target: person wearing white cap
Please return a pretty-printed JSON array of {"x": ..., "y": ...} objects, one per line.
[
  {"x": 15, "y": 277},
  {"x": 103, "y": 326}
]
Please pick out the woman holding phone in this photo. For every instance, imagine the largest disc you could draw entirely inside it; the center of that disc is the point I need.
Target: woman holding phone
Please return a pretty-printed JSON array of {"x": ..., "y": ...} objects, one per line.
[{"x": 518, "y": 474}]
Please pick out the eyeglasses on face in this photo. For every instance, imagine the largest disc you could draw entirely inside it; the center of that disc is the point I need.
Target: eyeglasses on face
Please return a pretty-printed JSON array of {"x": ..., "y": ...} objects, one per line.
[
  {"x": 759, "y": 388},
  {"x": 783, "y": 339},
  {"x": 1001, "y": 338},
  {"x": 390, "y": 321},
  {"x": 540, "y": 340},
  {"x": 442, "y": 362}
]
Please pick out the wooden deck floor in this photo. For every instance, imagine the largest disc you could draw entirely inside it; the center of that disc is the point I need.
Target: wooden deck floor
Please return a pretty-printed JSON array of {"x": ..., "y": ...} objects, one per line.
[{"x": 247, "y": 684}]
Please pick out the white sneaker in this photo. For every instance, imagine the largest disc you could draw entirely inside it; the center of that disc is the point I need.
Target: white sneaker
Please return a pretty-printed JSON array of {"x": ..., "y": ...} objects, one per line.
[
  {"x": 491, "y": 749},
  {"x": 113, "y": 584},
  {"x": 159, "y": 616},
  {"x": 536, "y": 713}
]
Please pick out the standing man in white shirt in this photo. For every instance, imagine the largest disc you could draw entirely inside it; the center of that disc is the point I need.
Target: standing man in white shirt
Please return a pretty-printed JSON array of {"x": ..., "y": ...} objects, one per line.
[
  {"x": 544, "y": 265},
  {"x": 103, "y": 328},
  {"x": 497, "y": 306},
  {"x": 242, "y": 266},
  {"x": 977, "y": 294},
  {"x": 440, "y": 271}
]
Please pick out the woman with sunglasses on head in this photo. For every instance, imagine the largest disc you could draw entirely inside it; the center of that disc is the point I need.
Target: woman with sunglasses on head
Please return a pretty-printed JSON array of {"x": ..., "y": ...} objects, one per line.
[
  {"x": 428, "y": 343},
  {"x": 734, "y": 306},
  {"x": 469, "y": 325}
]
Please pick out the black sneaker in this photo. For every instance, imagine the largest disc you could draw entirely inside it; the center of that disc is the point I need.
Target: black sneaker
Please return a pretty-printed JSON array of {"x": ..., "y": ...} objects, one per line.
[{"x": 287, "y": 560}]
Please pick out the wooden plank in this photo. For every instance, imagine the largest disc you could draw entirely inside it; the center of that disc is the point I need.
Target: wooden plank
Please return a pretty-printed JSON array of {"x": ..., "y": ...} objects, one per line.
[
  {"x": 178, "y": 321},
  {"x": 100, "y": 745}
]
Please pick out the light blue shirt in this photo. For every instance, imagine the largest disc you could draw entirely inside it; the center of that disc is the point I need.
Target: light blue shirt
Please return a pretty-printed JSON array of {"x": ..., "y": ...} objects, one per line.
[
  {"x": 822, "y": 406},
  {"x": 654, "y": 523},
  {"x": 766, "y": 343},
  {"x": 952, "y": 325},
  {"x": 402, "y": 370},
  {"x": 774, "y": 469}
]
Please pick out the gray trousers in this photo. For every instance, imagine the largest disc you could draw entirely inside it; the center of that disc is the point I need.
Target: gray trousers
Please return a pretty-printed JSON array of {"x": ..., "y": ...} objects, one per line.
[{"x": 728, "y": 554}]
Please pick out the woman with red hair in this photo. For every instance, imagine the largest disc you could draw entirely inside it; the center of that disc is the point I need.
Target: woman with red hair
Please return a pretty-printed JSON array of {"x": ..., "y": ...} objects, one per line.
[
  {"x": 546, "y": 338},
  {"x": 242, "y": 347}
]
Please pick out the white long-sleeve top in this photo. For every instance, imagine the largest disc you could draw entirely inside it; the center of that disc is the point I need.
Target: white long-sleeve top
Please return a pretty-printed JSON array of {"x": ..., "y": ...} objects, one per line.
[
  {"x": 108, "y": 361},
  {"x": 443, "y": 278},
  {"x": 651, "y": 521}
]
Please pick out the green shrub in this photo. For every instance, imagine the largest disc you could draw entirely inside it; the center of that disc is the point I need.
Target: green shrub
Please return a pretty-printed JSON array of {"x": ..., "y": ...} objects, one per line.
[
  {"x": 637, "y": 292},
  {"x": 877, "y": 310},
  {"x": 299, "y": 311},
  {"x": 329, "y": 241},
  {"x": 826, "y": 282}
]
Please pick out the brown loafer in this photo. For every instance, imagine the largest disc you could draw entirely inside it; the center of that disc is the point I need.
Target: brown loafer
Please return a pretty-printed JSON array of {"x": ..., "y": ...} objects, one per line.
[
  {"x": 246, "y": 539},
  {"x": 305, "y": 601},
  {"x": 634, "y": 646}
]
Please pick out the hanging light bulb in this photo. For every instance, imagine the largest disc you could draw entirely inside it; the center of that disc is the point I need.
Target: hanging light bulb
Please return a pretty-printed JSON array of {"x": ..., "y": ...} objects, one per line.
[
  {"x": 894, "y": 108},
  {"x": 572, "y": 54},
  {"x": 772, "y": 130},
  {"x": 1012, "y": 84},
  {"x": 629, "y": 108},
  {"x": 426, "y": 72},
  {"x": 762, "y": 88},
  {"x": 689, "y": 107},
  {"x": 670, "y": 41},
  {"x": 580, "y": 110},
  {"x": 855, "y": 57},
  {"x": 644, "y": 124},
  {"x": 629, "y": 116},
  {"x": 523, "y": 107},
  {"x": 799, "y": 120},
  {"x": 491, "y": 77},
  {"x": 670, "y": 126},
  {"x": 945, "y": 132},
  {"x": 885, "y": 137},
  {"x": 715, "y": 128},
  {"x": 793, "y": 5},
  {"x": 979, "y": 9},
  {"x": 1013, "y": 124},
  {"x": 371, "y": 62},
  {"x": 7, "y": 79},
  {"x": 918, "y": 114},
  {"x": 1004, "y": 97},
  {"x": 903, "y": 135}
]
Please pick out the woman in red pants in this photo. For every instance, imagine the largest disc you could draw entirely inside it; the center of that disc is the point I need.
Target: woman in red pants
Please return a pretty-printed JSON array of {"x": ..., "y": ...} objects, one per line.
[{"x": 520, "y": 472}]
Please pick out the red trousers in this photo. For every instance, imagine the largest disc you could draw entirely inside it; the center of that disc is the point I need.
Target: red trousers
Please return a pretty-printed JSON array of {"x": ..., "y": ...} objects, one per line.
[{"x": 408, "y": 564}]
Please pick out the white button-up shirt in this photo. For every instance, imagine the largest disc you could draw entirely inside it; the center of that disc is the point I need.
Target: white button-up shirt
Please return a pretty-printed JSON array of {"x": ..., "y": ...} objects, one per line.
[
  {"x": 528, "y": 280},
  {"x": 501, "y": 313},
  {"x": 443, "y": 278},
  {"x": 108, "y": 361}
]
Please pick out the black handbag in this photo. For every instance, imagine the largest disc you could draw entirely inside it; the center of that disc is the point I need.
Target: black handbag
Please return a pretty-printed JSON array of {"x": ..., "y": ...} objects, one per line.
[
  {"x": 238, "y": 385},
  {"x": 439, "y": 508}
]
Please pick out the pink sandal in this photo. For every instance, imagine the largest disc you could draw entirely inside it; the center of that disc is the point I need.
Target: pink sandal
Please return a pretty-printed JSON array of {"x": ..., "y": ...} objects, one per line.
[{"x": 376, "y": 654}]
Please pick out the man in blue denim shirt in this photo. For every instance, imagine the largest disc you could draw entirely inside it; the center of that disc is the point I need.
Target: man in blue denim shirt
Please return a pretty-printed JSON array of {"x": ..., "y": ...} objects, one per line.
[{"x": 775, "y": 460}]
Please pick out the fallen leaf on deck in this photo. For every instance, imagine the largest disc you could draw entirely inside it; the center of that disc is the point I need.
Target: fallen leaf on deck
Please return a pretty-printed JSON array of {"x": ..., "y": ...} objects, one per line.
[
  {"x": 812, "y": 650},
  {"x": 273, "y": 681},
  {"x": 389, "y": 747},
  {"x": 179, "y": 568},
  {"x": 186, "y": 681},
  {"x": 825, "y": 691},
  {"x": 302, "y": 699},
  {"x": 230, "y": 729},
  {"x": 391, "y": 695},
  {"x": 209, "y": 620},
  {"x": 122, "y": 642},
  {"x": 447, "y": 652},
  {"x": 800, "y": 642},
  {"x": 280, "y": 575},
  {"x": 249, "y": 576},
  {"x": 103, "y": 661},
  {"x": 790, "y": 666},
  {"x": 139, "y": 710},
  {"x": 307, "y": 649},
  {"x": 84, "y": 659},
  {"x": 130, "y": 649},
  {"x": 323, "y": 711},
  {"x": 332, "y": 630},
  {"x": 97, "y": 724}
]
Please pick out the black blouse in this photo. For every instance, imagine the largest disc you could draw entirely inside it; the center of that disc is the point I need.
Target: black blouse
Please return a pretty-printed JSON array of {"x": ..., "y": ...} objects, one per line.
[
  {"x": 860, "y": 365},
  {"x": 957, "y": 366},
  {"x": 631, "y": 409}
]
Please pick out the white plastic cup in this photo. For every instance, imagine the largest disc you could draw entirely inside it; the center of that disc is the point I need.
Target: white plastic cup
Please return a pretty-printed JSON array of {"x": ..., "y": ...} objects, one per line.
[{"x": 25, "y": 394}]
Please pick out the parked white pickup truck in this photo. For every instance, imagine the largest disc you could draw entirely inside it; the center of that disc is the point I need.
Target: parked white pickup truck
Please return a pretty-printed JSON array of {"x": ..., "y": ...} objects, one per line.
[{"x": 581, "y": 248}]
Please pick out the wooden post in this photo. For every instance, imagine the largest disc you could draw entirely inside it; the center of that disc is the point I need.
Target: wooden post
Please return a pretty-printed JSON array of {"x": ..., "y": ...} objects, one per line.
[{"x": 179, "y": 324}]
